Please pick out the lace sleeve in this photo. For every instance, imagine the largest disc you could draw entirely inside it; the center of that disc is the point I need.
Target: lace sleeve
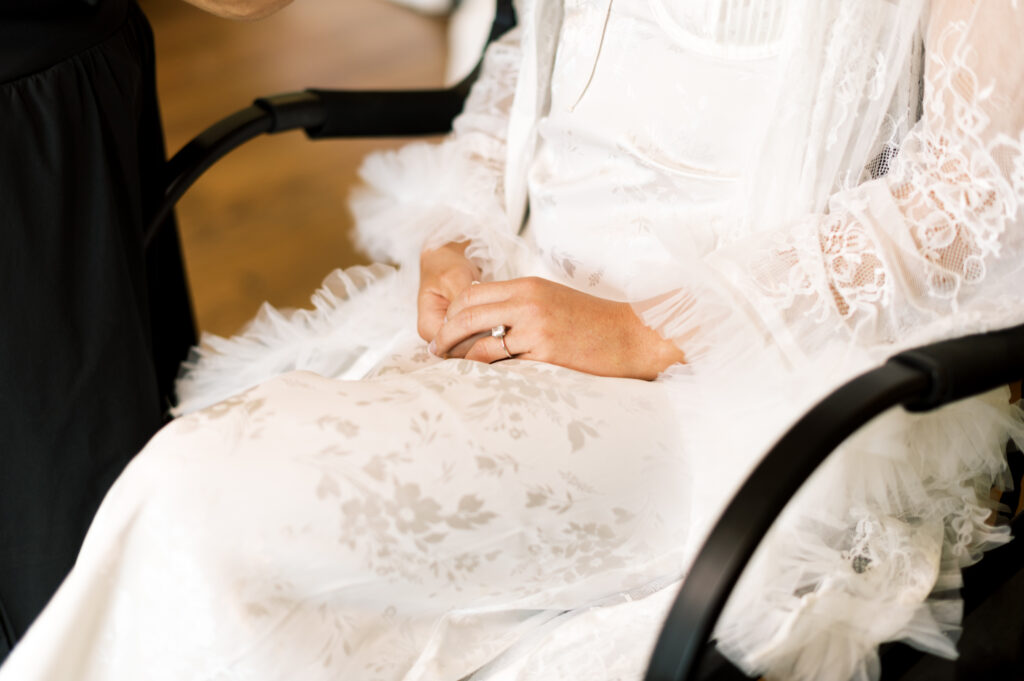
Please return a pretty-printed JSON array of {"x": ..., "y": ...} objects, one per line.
[
  {"x": 933, "y": 248},
  {"x": 424, "y": 195}
]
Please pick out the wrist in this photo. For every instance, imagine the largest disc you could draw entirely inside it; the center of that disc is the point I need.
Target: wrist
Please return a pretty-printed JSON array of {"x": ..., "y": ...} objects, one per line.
[{"x": 451, "y": 252}]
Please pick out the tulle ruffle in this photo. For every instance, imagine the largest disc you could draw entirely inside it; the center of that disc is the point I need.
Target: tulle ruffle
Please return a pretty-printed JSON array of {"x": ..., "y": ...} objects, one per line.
[
  {"x": 423, "y": 196},
  {"x": 356, "y": 318},
  {"x": 871, "y": 550}
]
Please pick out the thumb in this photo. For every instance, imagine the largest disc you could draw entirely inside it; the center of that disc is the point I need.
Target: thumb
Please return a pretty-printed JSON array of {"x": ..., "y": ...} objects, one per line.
[{"x": 432, "y": 309}]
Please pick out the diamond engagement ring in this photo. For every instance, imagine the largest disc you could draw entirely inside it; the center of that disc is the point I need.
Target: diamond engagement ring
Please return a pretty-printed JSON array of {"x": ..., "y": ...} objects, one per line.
[{"x": 499, "y": 332}]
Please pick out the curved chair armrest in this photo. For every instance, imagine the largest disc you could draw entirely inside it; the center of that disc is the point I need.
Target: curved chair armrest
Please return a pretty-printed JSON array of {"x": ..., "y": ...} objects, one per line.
[
  {"x": 323, "y": 113},
  {"x": 921, "y": 379}
]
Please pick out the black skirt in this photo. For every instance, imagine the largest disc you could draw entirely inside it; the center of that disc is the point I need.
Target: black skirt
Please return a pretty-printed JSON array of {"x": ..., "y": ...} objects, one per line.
[{"x": 92, "y": 327}]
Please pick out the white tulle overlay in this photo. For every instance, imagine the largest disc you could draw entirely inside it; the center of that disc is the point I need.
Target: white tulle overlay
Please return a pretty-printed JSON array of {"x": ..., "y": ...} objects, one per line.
[{"x": 791, "y": 190}]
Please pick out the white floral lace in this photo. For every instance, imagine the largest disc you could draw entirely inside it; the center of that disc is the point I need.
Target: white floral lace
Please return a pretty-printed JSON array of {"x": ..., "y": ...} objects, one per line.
[{"x": 924, "y": 242}]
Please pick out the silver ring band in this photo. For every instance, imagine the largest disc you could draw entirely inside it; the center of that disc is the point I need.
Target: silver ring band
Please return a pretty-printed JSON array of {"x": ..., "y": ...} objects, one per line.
[{"x": 499, "y": 332}]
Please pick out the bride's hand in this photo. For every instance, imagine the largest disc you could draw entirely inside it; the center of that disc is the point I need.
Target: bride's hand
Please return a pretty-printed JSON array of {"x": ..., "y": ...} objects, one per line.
[
  {"x": 552, "y": 323},
  {"x": 444, "y": 273}
]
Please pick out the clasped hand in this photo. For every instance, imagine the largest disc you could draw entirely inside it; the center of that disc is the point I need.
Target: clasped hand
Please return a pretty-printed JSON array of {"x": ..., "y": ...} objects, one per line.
[{"x": 545, "y": 321}]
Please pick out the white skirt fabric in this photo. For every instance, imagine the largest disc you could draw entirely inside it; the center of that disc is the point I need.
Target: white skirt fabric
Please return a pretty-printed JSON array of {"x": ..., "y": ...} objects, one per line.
[{"x": 438, "y": 519}]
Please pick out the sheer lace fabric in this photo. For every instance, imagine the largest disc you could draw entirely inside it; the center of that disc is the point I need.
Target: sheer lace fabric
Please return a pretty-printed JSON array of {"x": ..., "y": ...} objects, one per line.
[
  {"x": 815, "y": 185},
  {"x": 932, "y": 247}
]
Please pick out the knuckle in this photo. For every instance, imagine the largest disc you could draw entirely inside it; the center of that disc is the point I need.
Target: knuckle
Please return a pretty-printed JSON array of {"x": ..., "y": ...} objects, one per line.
[
  {"x": 530, "y": 308},
  {"x": 456, "y": 281},
  {"x": 463, "y": 298},
  {"x": 539, "y": 314},
  {"x": 450, "y": 277}
]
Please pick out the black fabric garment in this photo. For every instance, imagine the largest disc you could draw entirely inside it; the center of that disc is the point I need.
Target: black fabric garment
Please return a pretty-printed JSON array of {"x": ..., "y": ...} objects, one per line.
[
  {"x": 37, "y": 34},
  {"x": 92, "y": 328}
]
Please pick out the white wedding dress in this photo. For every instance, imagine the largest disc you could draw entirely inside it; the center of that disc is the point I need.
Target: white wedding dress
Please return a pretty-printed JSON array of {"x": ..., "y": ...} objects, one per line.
[{"x": 770, "y": 187}]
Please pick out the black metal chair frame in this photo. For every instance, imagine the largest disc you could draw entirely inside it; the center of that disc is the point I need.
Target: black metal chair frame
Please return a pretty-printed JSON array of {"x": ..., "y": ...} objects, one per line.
[{"x": 920, "y": 380}]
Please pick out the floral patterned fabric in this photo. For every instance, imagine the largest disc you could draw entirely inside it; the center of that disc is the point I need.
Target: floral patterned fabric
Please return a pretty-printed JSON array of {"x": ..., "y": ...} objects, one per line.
[{"x": 406, "y": 526}]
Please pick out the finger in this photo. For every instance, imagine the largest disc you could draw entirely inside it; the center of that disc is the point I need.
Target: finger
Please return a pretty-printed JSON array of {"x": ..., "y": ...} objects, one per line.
[
  {"x": 482, "y": 294},
  {"x": 431, "y": 311},
  {"x": 470, "y": 321},
  {"x": 489, "y": 350},
  {"x": 460, "y": 349}
]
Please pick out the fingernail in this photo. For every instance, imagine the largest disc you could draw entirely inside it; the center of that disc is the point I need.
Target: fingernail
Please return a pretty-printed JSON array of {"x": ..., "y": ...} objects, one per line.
[
  {"x": 432, "y": 348},
  {"x": 474, "y": 282}
]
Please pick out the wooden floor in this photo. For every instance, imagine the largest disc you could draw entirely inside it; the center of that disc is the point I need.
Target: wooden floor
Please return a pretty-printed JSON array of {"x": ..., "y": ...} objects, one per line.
[{"x": 270, "y": 220}]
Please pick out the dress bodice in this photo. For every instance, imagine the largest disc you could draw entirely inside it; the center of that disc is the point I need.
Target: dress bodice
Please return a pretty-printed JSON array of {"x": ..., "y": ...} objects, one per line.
[
  {"x": 729, "y": 28},
  {"x": 650, "y": 128}
]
